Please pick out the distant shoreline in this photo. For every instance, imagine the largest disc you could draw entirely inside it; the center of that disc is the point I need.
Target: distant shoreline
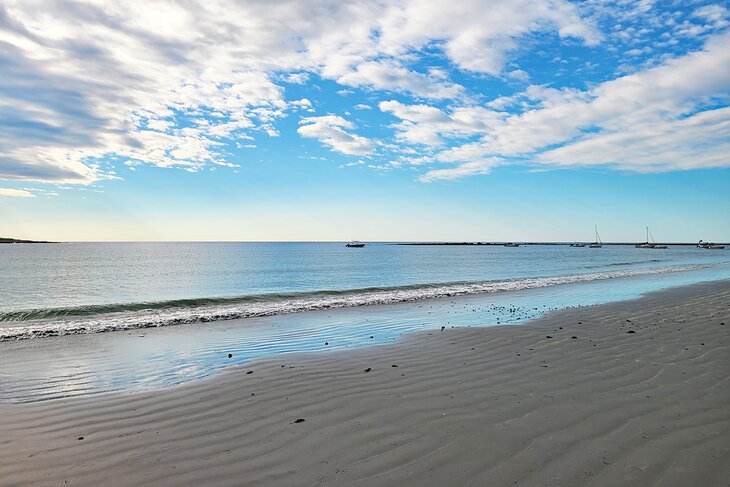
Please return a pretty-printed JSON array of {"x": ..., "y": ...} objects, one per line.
[
  {"x": 18, "y": 240},
  {"x": 7, "y": 240},
  {"x": 501, "y": 244}
]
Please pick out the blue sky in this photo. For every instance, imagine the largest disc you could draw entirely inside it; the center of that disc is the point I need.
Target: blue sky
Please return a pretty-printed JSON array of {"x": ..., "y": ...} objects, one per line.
[{"x": 320, "y": 120}]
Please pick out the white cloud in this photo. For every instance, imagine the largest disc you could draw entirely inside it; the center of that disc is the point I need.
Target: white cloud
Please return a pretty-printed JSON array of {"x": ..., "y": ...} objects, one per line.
[
  {"x": 381, "y": 75},
  {"x": 663, "y": 118},
  {"x": 362, "y": 106},
  {"x": 332, "y": 130},
  {"x": 427, "y": 125},
  {"x": 717, "y": 15},
  {"x": 519, "y": 75},
  {"x": 16, "y": 193},
  {"x": 479, "y": 166},
  {"x": 88, "y": 80}
]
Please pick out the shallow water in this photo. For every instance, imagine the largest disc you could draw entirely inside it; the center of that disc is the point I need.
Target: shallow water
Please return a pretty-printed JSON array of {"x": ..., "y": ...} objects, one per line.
[
  {"x": 57, "y": 289},
  {"x": 136, "y": 360}
]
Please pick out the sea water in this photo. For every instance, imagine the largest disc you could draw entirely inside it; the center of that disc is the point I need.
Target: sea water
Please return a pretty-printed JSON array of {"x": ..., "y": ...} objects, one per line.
[
  {"x": 256, "y": 300},
  {"x": 57, "y": 289}
]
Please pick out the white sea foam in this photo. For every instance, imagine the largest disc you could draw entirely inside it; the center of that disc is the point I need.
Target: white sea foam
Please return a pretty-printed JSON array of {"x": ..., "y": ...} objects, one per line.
[{"x": 164, "y": 314}]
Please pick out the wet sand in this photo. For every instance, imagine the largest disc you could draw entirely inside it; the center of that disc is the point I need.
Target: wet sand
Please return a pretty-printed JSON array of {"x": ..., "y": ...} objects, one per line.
[{"x": 574, "y": 398}]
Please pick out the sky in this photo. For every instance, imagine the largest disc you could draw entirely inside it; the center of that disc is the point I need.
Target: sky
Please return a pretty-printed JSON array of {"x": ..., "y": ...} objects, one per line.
[{"x": 329, "y": 120}]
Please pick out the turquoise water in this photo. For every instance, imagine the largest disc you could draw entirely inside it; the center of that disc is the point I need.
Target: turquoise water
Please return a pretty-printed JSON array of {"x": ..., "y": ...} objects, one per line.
[
  {"x": 57, "y": 289},
  {"x": 345, "y": 298}
]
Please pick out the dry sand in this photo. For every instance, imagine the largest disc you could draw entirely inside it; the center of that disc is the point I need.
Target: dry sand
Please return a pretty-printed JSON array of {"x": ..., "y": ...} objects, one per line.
[{"x": 535, "y": 404}]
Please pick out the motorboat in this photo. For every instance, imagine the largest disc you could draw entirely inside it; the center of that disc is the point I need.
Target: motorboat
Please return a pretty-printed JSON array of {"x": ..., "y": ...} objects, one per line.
[
  {"x": 709, "y": 246},
  {"x": 355, "y": 244}
]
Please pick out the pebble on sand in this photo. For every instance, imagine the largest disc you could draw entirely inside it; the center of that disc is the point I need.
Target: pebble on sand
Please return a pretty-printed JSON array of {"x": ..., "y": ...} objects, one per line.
[
  {"x": 300, "y": 420},
  {"x": 81, "y": 438},
  {"x": 230, "y": 355},
  {"x": 249, "y": 371},
  {"x": 631, "y": 331},
  {"x": 368, "y": 369}
]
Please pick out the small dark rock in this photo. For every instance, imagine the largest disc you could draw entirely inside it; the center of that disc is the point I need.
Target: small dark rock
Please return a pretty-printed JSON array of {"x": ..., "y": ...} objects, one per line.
[
  {"x": 371, "y": 336},
  {"x": 574, "y": 337},
  {"x": 326, "y": 343},
  {"x": 394, "y": 365},
  {"x": 300, "y": 420},
  {"x": 631, "y": 331},
  {"x": 81, "y": 438},
  {"x": 249, "y": 371},
  {"x": 230, "y": 355},
  {"x": 548, "y": 336},
  {"x": 368, "y": 369}
]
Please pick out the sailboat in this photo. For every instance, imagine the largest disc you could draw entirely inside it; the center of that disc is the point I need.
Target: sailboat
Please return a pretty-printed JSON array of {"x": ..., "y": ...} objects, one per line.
[
  {"x": 597, "y": 244},
  {"x": 649, "y": 245}
]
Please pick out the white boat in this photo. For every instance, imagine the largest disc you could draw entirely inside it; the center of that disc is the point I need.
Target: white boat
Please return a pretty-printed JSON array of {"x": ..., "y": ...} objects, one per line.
[
  {"x": 709, "y": 246},
  {"x": 355, "y": 244},
  {"x": 597, "y": 244},
  {"x": 577, "y": 244},
  {"x": 648, "y": 244}
]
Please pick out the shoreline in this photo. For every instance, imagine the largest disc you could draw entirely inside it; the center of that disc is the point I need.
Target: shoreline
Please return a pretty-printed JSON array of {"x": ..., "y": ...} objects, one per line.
[
  {"x": 115, "y": 317},
  {"x": 492, "y": 405}
]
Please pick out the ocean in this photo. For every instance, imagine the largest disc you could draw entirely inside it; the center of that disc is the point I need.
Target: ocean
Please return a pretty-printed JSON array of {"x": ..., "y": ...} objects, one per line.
[
  {"x": 85, "y": 318},
  {"x": 71, "y": 288}
]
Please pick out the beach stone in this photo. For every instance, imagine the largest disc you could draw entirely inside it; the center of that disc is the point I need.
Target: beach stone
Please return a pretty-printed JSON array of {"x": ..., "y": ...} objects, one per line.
[
  {"x": 368, "y": 369},
  {"x": 326, "y": 343},
  {"x": 574, "y": 337},
  {"x": 81, "y": 438},
  {"x": 300, "y": 420},
  {"x": 249, "y": 372},
  {"x": 394, "y": 365},
  {"x": 548, "y": 336},
  {"x": 631, "y": 331},
  {"x": 230, "y": 355}
]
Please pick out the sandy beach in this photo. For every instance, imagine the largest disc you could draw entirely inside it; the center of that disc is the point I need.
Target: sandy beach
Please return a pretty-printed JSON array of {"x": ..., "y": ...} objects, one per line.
[{"x": 629, "y": 393}]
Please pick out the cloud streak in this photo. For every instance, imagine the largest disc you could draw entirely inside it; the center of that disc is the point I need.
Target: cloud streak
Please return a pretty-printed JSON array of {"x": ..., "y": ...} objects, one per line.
[
  {"x": 332, "y": 131},
  {"x": 661, "y": 119},
  {"x": 16, "y": 193},
  {"x": 171, "y": 84}
]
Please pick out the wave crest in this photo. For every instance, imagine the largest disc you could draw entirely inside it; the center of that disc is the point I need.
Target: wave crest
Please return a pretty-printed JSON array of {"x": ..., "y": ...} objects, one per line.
[{"x": 37, "y": 323}]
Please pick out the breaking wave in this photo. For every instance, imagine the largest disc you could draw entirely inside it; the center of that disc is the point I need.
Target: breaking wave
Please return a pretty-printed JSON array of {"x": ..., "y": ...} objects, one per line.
[{"x": 37, "y": 323}]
